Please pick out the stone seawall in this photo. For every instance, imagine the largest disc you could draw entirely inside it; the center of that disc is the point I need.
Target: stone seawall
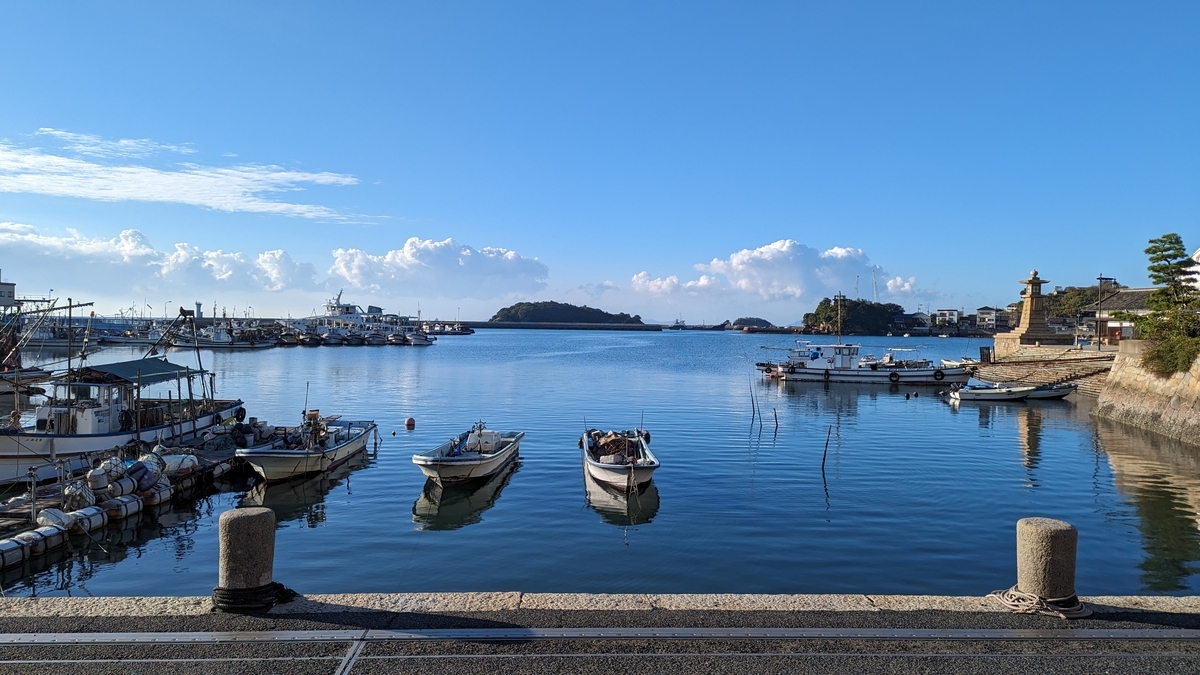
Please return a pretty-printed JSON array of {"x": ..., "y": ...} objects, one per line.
[
  {"x": 1051, "y": 365},
  {"x": 1166, "y": 405}
]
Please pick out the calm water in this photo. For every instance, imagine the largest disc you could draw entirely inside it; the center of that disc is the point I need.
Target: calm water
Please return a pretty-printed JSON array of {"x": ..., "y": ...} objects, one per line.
[{"x": 917, "y": 496}]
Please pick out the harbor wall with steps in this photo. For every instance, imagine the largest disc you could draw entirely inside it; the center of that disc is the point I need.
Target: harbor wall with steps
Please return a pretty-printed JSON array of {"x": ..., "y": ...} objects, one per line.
[
  {"x": 1166, "y": 405},
  {"x": 1051, "y": 365}
]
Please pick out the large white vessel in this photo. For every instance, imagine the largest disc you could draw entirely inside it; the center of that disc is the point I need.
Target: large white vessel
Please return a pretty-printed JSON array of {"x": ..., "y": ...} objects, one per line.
[
  {"x": 808, "y": 362},
  {"x": 97, "y": 408}
]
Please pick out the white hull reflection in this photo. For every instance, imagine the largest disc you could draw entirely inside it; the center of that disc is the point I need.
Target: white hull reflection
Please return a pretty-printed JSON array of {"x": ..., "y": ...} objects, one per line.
[{"x": 456, "y": 505}]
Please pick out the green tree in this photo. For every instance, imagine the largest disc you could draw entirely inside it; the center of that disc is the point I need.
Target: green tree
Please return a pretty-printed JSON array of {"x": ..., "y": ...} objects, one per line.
[
  {"x": 1173, "y": 325},
  {"x": 858, "y": 316},
  {"x": 1173, "y": 269}
]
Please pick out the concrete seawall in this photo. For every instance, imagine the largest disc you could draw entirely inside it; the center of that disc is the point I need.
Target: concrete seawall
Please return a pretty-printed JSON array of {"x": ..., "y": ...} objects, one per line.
[{"x": 1167, "y": 405}]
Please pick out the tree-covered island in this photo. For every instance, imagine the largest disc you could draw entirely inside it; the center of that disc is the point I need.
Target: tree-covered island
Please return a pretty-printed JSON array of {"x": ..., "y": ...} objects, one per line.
[{"x": 560, "y": 312}]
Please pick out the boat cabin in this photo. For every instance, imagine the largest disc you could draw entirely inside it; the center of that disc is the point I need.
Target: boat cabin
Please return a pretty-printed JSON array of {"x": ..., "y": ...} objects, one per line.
[{"x": 823, "y": 357}]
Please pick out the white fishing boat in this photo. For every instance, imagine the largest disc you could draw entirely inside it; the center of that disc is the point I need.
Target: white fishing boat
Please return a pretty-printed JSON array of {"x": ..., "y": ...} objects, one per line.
[
  {"x": 472, "y": 454},
  {"x": 97, "y": 408},
  {"x": 318, "y": 445},
  {"x": 419, "y": 339},
  {"x": 618, "y": 458},
  {"x": 808, "y": 362},
  {"x": 1052, "y": 391},
  {"x": 990, "y": 393}
]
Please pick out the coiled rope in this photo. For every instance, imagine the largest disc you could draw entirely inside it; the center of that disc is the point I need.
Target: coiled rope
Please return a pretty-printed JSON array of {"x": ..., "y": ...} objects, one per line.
[
  {"x": 251, "y": 600},
  {"x": 1021, "y": 602}
]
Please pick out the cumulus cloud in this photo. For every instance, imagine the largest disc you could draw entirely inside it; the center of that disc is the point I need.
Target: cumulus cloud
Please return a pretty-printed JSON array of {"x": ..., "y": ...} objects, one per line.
[
  {"x": 781, "y": 270},
  {"x": 250, "y": 188},
  {"x": 95, "y": 146},
  {"x": 132, "y": 252},
  {"x": 440, "y": 268},
  {"x": 901, "y": 286}
]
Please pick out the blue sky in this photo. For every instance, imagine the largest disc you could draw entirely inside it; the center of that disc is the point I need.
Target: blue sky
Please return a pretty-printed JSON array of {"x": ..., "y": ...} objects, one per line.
[{"x": 703, "y": 160}]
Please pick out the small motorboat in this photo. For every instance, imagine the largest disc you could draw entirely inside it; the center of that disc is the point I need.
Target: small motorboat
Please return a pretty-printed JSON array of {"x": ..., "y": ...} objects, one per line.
[
  {"x": 472, "y": 454},
  {"x": 1047, "y": 392},
  {"x": 998, "y": 392},
  {"x": 318, "y": 445},
  {"x": 618, "y": 458}
]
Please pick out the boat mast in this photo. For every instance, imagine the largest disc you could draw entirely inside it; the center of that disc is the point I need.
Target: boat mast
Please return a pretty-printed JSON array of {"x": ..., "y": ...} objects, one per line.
[{"x": 838, "y": 298}]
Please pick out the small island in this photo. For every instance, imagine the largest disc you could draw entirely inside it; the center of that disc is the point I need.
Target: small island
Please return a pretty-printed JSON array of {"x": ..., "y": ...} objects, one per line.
[{"x": 560, "y": 312}]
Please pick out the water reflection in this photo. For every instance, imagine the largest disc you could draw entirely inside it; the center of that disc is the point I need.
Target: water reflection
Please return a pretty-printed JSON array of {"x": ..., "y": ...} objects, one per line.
[
  {"x": 458, "y": 505},
  {"x": 621, "y": 508},
  {"x": 1162, "y": 479},
  {"x": 303, "y": 499},
  {"x": 69, "y": 568}
]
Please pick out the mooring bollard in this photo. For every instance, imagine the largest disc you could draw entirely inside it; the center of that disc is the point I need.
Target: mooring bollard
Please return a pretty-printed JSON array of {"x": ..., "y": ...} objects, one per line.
[
  {"x": 1046, "y": 559},
  {"x": 1045, "y": 570},
  {"x": 247, "y": 560}
]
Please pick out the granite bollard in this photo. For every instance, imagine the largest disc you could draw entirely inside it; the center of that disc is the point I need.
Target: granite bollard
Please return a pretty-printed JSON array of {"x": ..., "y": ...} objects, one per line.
[
  {"x": 247, "y": 561},
  {"x": 1046, "y": 559}
]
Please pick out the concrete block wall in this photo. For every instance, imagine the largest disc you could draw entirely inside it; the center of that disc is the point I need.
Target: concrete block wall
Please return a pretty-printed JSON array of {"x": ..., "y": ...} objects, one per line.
[{"x": 1166, "y": 405}]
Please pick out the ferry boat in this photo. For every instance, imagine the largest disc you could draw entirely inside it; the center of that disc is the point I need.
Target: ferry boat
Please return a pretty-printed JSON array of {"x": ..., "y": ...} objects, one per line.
[
  {"x": 97, "y": 408},
  {"x": 809, "y": 362}
]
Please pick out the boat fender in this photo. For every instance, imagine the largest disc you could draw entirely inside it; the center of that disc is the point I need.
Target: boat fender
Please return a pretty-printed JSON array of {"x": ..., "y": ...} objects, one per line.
[
  {"x": 874, "y": 366},
  {"x": 939, "y": 375},
  {"x": 792, "y": 370},
  {"x": 240, "y": 414},
  {"x": 894, "y": 377},
  {"x": 826, "y": 375}
]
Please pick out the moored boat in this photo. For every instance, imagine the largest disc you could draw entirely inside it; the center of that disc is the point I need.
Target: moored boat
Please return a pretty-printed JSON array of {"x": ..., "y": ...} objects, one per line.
[
  {"x": 472, "y": 454},
  {"x": 318, "y": 445},
  {"x": 808, "y": 362},
  {"x": 998, "y": 392},
  {"x": 618, "y": 458},
  {"x": 1052, "y": 391},
  {"x": 96, "y": 408}
]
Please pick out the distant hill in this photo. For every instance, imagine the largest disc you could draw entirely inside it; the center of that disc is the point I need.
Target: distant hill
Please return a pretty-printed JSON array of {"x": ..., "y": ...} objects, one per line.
[
  {"x": 752, "y": 321},
  {"x": 560, "y": 312}
]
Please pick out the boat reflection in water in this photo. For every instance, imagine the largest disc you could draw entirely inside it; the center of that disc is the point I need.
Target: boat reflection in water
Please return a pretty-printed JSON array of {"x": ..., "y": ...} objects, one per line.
[
  {"x": 456, "y": 505},
  {"x": 303, "y": 499},
  {"x": 621, "y": 508}
]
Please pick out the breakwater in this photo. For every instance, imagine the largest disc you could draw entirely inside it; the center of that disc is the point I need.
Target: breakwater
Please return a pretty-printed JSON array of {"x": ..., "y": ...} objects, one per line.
[
  {"x": 1051, "y": 365},
  {"x": 549, "y": 325},
  {"x": 1167, "y": 405}
]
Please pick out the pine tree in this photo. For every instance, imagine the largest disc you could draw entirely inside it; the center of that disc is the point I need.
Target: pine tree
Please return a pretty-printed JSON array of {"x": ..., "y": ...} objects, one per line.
[{"x": 1171, "y": 267}]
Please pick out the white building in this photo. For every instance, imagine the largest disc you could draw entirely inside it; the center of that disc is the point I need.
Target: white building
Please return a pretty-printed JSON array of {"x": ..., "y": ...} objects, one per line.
[
  {"x": 8, "y": 293},
  {"x": 947, "y": 317}
]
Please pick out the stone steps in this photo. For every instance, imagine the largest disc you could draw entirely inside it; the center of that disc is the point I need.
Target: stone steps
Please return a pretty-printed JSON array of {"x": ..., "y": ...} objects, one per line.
[{"x": 1042, "y": 365}]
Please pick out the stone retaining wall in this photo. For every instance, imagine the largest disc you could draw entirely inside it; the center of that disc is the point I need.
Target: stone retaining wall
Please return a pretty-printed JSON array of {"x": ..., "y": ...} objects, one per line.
[
  {"x": 1166, "y": 405},
  {"x": 1047, "y": 365}
]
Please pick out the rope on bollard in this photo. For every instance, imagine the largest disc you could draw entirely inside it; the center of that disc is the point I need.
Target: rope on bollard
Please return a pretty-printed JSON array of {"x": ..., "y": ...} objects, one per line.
[
  {"x": 1021, "y": 602},
  {"x": 251, "y": 600}
]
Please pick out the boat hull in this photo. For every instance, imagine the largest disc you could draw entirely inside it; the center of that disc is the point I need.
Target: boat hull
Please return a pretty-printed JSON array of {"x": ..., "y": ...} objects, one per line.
[
  {"x": 907, "y": 376},
  {"x": 1002, "y": 394},
  {"x": 20, "y": 451},
  {"x": 275, "y": 465},
  {"x": 619, "y": 475},
  {"x": 469, "y": 467}
]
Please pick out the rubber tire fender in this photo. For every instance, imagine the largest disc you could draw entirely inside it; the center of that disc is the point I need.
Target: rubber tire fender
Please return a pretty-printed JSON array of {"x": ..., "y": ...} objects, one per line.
[
  {"x": 241, "y": 414},
  {"x": 826, "y": 375},
  {"x": 894, "y": 376},
  {"x": 939, "y": 375}
]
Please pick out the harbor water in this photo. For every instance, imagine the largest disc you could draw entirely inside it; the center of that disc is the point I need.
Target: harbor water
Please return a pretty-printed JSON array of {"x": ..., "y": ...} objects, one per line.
[{"x": 831, "y": 489}]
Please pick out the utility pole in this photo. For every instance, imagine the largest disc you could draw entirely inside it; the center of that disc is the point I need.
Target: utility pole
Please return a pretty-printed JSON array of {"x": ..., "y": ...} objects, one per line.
[{"x": 1099, "y": 303}]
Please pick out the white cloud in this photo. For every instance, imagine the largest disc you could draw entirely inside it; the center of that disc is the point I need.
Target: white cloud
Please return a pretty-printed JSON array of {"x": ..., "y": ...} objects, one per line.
[
  {"x": 281, "y": 272},
  {"x": 440, "y": 269},
  {"x": 95, "y": 146},
  {"x": 901, "y": 286},
  {"x": 239, "y": 188},
  {"x": 17, "y": 228},
  {"x": 781, "y": 270},
  {"x": 596, "y": 291}
]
